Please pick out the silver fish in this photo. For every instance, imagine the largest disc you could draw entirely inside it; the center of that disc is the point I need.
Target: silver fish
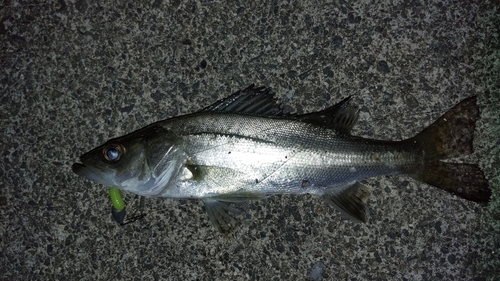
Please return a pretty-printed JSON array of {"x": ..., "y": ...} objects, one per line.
[{"x": 244, "y": 148}]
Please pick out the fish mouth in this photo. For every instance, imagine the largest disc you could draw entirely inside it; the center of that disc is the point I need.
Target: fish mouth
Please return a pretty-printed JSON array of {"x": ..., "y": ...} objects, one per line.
[
  {"x": 93, "y": 174},
  {"x": 78, "y": 168},
  {"x": 86, "y": 172}
]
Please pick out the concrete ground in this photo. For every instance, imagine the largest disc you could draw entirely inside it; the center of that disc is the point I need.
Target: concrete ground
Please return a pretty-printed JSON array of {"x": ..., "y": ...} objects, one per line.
[{"x": 76, "y": 73}]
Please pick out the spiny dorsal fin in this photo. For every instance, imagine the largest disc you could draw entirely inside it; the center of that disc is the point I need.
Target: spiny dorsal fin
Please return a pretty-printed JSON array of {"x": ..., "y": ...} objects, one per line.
[
  {"x": 260, "y": 101},
  {"x": 340, "y": 117},
  {"x": 257, "y": 101}
]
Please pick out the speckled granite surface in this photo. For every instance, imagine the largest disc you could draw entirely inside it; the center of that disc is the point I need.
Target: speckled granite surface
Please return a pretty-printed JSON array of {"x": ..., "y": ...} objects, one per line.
[{"x": 76, "y": 73}]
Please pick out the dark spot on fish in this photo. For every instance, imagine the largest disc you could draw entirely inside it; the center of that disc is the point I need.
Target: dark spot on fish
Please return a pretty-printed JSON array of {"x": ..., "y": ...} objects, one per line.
[
  {"x": 256, "y": 180},
  {"x": 229, "y": 152},
  {"x": 286, "y": 157},
  {"x": 305, "y": 183}
]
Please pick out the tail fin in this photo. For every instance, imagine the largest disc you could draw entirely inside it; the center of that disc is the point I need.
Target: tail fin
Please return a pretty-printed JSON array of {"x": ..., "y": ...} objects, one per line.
[{"x": 451, "y": 136}]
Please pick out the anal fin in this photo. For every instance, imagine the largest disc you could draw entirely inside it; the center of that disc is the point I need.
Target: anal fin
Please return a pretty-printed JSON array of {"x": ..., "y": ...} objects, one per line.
[{"x": 350, "y": 201}]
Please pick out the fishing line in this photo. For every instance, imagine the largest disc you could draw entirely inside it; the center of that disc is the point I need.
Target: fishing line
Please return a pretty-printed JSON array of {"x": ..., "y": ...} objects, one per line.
[{"x": 118, "y": 210}]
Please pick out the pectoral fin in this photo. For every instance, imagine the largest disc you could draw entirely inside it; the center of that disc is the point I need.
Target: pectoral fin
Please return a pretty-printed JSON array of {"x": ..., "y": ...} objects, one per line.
[{"x": 350, "y": 201}]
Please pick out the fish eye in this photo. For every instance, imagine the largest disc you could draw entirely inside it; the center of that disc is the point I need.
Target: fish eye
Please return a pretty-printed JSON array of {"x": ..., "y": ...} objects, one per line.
[{"x": 113, "y": 152}]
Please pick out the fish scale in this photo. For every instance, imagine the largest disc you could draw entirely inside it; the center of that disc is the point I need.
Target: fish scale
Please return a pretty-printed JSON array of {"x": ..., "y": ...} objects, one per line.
[{"x": 274, "y": 146}]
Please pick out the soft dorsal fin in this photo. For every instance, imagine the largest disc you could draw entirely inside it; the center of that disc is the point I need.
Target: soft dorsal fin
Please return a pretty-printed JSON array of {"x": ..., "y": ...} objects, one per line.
[
  {"x": 340, "y": 117},
  {"x": 257, "y": 101}
]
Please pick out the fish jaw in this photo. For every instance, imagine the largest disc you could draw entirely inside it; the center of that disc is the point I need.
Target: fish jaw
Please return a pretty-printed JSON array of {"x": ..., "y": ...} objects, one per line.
[
  {"x": 94, "y": 175},
  {"x": 109, "y": 178}
]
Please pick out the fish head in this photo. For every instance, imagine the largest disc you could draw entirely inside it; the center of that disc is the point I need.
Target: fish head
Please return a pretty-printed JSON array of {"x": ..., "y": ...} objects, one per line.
[{"x": 138, "y": 163}]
